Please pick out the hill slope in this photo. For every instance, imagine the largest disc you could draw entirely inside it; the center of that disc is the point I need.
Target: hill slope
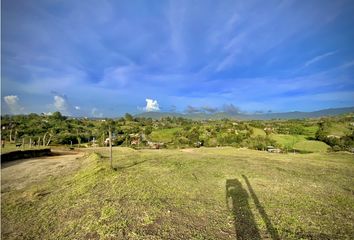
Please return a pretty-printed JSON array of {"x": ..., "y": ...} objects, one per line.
[{"x": 203, "y": 193}]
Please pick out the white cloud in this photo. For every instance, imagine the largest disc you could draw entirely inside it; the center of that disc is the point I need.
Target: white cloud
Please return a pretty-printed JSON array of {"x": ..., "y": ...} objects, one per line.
[
  {"x": 151, "y": 105},
  {"x": 77, "y": 107},
  {"x": 318, "y": 58},
  {"x": 61, "y": 105},
  {"x": 95, "y": 113},
  {"x": 12, "y": 102},
  {"x": 347, "y": 65}
]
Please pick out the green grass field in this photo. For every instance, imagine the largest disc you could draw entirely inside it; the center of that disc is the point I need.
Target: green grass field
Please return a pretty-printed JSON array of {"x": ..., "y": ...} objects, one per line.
[
  {"x": 311, "y": 146},
  {"x": 300, "y": 143},
  {"x": 258, "y": 132},
  {"x": 206, "y": 193},
  {"x": 287, "y": 140},
  {"x": 163, "y": 135}
]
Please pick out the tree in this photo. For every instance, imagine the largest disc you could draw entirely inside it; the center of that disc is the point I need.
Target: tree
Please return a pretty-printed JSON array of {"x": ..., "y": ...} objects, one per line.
[
  {"x": 128, "y": 117},
  {"x": 322, "y": 131},
  {"x": 148, "y": 130},
  {"x": 57, "y": 116}
]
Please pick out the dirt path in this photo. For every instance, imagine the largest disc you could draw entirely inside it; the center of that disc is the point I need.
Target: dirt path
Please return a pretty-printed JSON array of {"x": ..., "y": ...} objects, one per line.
[
  {"x": 21, "y": 173},
  {"x": 187, "y": 150}
]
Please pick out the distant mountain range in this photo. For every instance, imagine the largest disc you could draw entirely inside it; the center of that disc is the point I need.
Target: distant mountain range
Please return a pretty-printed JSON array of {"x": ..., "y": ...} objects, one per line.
[{"x": 245, "y": 116}]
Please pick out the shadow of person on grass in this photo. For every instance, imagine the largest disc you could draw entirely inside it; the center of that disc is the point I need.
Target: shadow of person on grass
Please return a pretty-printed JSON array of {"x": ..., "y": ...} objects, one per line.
[
  {"x": 272, "y": 231},
  {"x": 237, "y": 201}
]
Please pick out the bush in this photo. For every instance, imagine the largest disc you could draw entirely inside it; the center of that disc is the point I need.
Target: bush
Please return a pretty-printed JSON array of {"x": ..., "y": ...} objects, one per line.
[
  {"x": 211, "y": 142},
  {"x": 336, "y": 148},
  {"x": 232, "y": 139}
]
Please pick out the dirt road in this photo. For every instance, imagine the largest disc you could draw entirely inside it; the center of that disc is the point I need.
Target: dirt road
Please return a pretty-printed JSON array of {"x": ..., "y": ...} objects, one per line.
[{"x": 21, "y": 173}]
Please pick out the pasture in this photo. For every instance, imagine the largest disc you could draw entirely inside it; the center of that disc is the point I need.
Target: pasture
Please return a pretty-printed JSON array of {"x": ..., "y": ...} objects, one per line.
[
  {"x": 206, "y": 193},
  {"x": 164, "y": 135},
  {"x": 300, "y": 143}
]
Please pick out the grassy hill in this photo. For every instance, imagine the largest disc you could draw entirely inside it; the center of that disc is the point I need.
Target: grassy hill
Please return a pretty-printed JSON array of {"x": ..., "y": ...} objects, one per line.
[{"x": 214, "y": 193}]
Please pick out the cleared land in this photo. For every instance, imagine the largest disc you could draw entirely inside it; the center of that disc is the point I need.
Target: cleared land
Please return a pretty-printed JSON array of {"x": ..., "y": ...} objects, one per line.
[
  {"x": 21, "y": 173},
  {"x": 207, "y": 193}
]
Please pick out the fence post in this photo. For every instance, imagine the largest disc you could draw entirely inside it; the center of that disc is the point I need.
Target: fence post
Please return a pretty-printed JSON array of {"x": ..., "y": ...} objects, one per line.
[{"x": 110, "y": 146}]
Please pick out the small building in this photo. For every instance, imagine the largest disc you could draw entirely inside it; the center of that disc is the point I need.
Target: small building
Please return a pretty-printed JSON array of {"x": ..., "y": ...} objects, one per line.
[
  {"x": 134, "y": 138},
  {"x": 106, "y": 142},
  {"x": 94, "y": 143},
  {"x": 272, "y": 149},
  {"x": 333, "y": 136},
  {"x": 135, "y": 142},
  {"x": 268, "y": 130},
  {"x": 198, "y": 144},
  {"x": 155, "y": 145}
]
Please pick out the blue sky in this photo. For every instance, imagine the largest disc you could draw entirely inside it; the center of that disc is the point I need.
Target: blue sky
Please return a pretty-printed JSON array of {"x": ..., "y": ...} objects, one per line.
[{"x": 105, "y": 58}]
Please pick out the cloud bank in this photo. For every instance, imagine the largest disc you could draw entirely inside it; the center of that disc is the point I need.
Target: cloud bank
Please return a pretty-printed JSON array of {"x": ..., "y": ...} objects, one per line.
[{"x": 13, "y": 103}]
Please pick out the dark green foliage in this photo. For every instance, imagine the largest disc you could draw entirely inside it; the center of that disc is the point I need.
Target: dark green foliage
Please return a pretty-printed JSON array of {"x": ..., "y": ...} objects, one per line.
[
  {"x": 323, "y": 131},
  {"x": 148, "y": 130},
  {"x": 128, "y": 117},
  {"x": 57, "y": 116}
]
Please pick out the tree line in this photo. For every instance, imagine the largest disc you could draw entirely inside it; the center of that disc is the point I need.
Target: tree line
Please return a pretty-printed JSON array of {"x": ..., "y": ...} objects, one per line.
[{"x": 57, "y": 129}]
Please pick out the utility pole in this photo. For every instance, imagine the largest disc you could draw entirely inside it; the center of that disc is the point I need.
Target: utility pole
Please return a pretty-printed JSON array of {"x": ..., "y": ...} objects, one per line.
[
  {"x": 78, "y": 138},
  {"x": 110, "y": 146}
]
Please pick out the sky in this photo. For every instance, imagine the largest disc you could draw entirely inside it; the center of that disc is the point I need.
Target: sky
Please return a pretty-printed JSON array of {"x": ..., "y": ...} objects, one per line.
[{"x": 101, "y": 58}]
